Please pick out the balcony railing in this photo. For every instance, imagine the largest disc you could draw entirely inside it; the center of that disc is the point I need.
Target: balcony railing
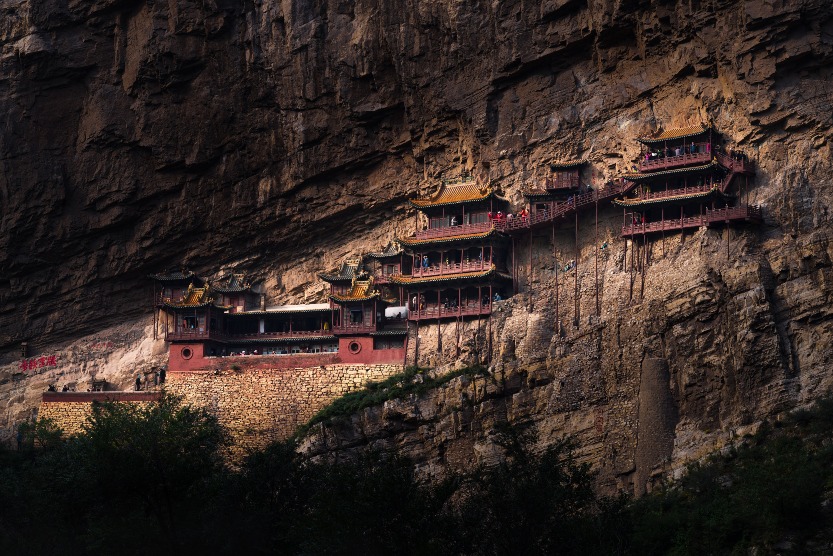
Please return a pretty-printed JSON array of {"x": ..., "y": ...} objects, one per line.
[
  {"x": 736, "y": 164},
  {"x": 729, "y": 214},
  {"x": 705, "y": 188},
  {"x": 358, "y": 328},
  {"x": 451, "y": 268},
  {"x": 702, "y": 156},
  {"x": 560, "y": 209},
  {"x": 202, "y": 335},
  {"x": 465, "y": 310},
  {"x": 451, "y": 231}
]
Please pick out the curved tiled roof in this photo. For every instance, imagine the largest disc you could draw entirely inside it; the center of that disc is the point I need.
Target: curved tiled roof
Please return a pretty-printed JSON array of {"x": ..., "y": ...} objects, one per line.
[
  {"x": 410, "y": 241},
  {"x": 568, "y": 164},
  {"x": 287, "y": 309},
  {"x": 348, "y": 270},
  {"x": 173, "y": 276},
  {"x": 465, "y": 190},
  {"x": 194, "y": 297},
  {"x": 391, "y": 250},
  {"x": 676, "y": 133},
  {"x": 231, "y": 284},
  {"x": 361, "y": 290},
  {"x": 409, "y": 280},
  {"x": 651, "y": 175},
  {"x": 714, "y": 191}
]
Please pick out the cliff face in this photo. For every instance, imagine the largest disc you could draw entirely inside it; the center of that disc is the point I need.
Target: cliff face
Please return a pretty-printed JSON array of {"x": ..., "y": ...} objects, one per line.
[{"x": 277, "y": 137}]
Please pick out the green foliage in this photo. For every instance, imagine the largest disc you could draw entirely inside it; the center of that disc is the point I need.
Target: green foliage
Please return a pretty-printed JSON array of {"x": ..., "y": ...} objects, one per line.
[
  {"x": 414, "y": 381},
  {"x": 538, "y": 504},
  {"x": 136, "y": 480},
  {"x": 43, "y": 433},
  {"x": 753, "y": 497},
  {"x": 151, "y": 479}
]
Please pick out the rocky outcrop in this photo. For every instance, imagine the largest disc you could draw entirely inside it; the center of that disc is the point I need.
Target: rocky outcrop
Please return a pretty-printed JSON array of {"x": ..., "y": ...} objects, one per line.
[{"x": 277, "y": 137}]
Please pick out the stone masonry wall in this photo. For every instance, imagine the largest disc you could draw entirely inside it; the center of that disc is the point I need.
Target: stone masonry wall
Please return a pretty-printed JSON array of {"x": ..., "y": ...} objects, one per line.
[
  {"x": 70, "y": 410},
  {"x": 261, "y": 406},
  {"x": 256, "y": 406}
]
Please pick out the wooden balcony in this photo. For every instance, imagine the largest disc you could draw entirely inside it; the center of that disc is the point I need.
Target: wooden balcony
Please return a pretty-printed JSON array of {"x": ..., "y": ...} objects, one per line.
[
  {"x": 197, "y": 335},
  {"x": 444, "y": 269},
  {"x": 702, "y": 156},
  {"x": 435, "y": 312},
  {"x": 562, "y": 182},
  {"x": 736, "y": 165},
  {"x": 654, "y": 195},
  {"x": 746, "y": 213},
  {"x": 561, "y": 209},
  {"x": 451, "y": 231},
  {"x": 358, "y": 328}
]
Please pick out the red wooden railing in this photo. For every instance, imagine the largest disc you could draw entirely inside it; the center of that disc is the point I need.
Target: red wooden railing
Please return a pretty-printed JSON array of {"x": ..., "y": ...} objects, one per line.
[
  {"x": 702, "y": 156},
  {"x": 465, "y": 310},
  {"x": 743, "y": 212},
  {"x": 451, "y": 268},
  {"x": 360, "y": 328},
  {"x": 197, "y": 335},
  {"x": 561, "y": 209},
  {"x": 705, "y": 188},
  {"x": 735, "y": 164},
  {"x": 451, "y": 231}
]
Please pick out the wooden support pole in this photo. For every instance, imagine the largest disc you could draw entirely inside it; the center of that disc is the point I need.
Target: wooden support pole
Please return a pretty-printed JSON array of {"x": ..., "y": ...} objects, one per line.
[
  {"x": 555, "y": 261},
  {"x": 514, "y": 271},
  {"x": 439, "y": 325},
  {"x": 596, "y": 252},
  {"x": 663, "y": 231},
  {"x": 575, "y": 269}
]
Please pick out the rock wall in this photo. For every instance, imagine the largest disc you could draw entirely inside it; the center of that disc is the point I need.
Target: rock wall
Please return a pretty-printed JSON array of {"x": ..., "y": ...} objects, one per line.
[
  {"x": 278, "y": 137},
  {"x": 114, "y": 355},
  {"x": 689, "y": 350},
  {"x": 256, "y": 406}
]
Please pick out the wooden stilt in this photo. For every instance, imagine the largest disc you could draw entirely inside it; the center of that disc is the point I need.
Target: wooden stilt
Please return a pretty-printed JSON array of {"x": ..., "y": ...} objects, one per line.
[
  {"x": 596, "y": 252},
  {"x": 575, "y": 269},
  {"x": 439, "y": 325},
  {"x": 555, "y": 264},
  {"x": 529, "y": 278},
  {"x": 514, "y": 270}
]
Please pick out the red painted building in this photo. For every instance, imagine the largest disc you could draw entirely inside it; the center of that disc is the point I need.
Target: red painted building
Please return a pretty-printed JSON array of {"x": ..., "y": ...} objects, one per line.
[
  {"x": 686, "y": 180},
  {"x": 219, "y": 325}
]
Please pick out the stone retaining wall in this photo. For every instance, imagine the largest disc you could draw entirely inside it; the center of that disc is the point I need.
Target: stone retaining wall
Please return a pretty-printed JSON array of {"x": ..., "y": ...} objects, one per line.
[
  {"x": 259, "y": 406},
  {"x": 256, "y": 406}
]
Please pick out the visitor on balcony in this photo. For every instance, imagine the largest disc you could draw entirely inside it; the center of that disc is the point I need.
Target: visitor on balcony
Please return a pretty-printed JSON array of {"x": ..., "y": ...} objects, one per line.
[{"x": 453, "y": 220}]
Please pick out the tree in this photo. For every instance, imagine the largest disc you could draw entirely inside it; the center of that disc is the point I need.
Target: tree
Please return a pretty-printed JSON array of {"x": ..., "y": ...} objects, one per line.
[{"x": 157, "y": 461}]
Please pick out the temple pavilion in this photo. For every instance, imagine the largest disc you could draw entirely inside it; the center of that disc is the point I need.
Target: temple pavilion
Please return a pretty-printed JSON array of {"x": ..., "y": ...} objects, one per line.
[
  {"x": 458, "y": 260},
  {"x": 686, "y": 180},
  {"x": 566, "y": 181},
  {"x": 205, "y": 320}
]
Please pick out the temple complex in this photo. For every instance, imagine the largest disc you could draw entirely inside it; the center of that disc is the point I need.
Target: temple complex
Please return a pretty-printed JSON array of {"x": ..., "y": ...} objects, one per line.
[
  {"x": 685, "y": 179},
  {"x": 206, "y": 323},
  {"x": 456, "y": 265},
  {"x": 458, "y": 260}
]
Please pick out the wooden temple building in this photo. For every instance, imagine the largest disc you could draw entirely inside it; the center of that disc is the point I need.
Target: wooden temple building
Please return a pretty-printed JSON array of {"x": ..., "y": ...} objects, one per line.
[
  {"x": 456, "y": 265},
  {"x": 206, "y": 323},
  {"x": 685, "y": 180},
  {"x": 457, "y": 262}
]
